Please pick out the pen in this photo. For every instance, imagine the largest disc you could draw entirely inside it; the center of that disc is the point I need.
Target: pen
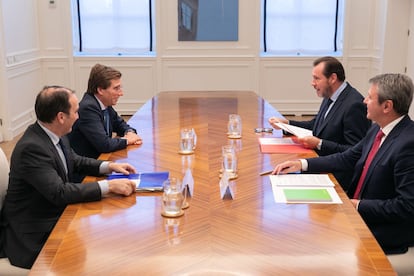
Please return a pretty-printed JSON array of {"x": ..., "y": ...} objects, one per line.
[{"x": 266, "y": 172}]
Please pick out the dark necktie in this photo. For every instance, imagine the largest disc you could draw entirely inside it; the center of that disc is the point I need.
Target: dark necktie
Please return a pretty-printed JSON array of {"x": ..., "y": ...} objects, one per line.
[
  {"x": 322, "y": 114},
  {"x": 106, "y": 120},
  {"x": 65, "y": 154},
  {"x": 371, "y": 154}
]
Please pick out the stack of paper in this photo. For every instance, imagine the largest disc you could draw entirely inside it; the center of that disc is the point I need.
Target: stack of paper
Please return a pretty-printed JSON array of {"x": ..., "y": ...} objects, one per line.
[
  {"x": 304, "y": 188},
  {"x": 297, "y": 131}
]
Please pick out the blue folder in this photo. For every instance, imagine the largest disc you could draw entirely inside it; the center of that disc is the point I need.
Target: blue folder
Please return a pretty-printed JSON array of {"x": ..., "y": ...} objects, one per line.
[{"x": 148, "y": 181}]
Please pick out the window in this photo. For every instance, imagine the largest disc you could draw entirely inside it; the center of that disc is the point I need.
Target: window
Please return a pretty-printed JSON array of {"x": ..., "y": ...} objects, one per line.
[
  {"x": 112, "y": 27},
  {"x": 302, "y": 27}
]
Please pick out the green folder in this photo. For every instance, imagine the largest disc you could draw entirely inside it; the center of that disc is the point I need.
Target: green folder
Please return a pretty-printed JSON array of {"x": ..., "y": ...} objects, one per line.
[{"x": 316, "y": 195}]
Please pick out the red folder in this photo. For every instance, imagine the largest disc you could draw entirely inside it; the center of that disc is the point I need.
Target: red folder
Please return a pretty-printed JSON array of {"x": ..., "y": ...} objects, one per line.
[{"x": 267, "y": 146}]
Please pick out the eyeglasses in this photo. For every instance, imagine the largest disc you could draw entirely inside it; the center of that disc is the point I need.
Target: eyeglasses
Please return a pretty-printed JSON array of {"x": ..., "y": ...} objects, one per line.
[{"x": 263, "y": 129}]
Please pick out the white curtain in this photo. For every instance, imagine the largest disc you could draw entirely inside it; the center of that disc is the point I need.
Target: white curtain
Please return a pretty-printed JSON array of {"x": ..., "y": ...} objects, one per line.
[
  {"x": 111, "y": 26},
  {"x": 303, "y": 27}
]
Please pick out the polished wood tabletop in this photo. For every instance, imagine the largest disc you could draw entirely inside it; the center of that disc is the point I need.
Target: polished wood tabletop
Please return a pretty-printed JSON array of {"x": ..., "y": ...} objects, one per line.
[{"x": 250, "y": 234}]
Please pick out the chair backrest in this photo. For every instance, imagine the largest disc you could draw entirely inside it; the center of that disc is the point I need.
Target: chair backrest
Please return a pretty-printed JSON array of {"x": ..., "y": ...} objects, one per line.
[{"x": 4, "y": 176}]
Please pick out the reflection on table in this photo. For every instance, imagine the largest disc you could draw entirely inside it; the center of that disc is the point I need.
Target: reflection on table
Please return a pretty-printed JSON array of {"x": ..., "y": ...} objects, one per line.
[{"x": 247, "y": 235}]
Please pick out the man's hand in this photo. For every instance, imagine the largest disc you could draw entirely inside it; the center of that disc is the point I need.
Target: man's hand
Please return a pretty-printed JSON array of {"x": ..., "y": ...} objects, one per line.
[
  {"x": 122, "y": 186},
  {"x": 123, "y": 168},
  {"x": 310, "y": 142},
  {"x": 288, "y": 167},
  {"x": 355, "y": 203},
  {"x": 133, "y": 138},
  {"x": 274, "y": 120}
]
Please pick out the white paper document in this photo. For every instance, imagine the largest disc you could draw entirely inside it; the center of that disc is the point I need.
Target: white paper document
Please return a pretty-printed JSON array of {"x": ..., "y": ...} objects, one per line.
[
  {"x": 277, "y": 141},
  {"x": 304, "y": 188},
  {"x": 302, "y": 180},
  {"x": 297, "y": 131}
]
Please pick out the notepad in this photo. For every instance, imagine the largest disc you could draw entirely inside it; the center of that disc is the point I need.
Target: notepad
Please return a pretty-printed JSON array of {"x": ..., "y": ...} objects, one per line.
[
  {"x": 145, "y": 182},
  {"x": 310, "y": 195},
  {"x": 304, "y": 188}
]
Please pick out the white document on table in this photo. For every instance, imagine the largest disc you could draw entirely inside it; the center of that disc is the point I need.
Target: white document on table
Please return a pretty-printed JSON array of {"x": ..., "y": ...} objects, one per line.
[
  {"x": 297, "y": 131},
  {"x": 303, "y": 185},
  {"x": 276, "y": 141}
]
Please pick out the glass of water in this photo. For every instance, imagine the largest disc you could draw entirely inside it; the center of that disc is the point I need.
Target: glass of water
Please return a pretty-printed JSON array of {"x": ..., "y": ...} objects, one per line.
[
  {"x": 234, "y": 126},
  {"x": 229, "y": 161},
  {"x": 186, "y": 141},
  {"x": 172, "y": 198}
]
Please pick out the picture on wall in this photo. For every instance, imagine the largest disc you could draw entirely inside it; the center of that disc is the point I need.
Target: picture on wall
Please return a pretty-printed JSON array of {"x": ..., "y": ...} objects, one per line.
[{"x": 208, "y": 20}]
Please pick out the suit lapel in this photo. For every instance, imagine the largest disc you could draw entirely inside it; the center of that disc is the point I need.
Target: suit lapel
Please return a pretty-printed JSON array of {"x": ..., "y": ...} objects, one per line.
[
  {"x": 69, "y": 159},
  {"x": 319, "y": 121},
  {"x": 336, "y": 105},
  {"x": 98, "y": 108},
  {"x": 52, "y": 148},
  {"x": 384, "y": 148},
  {"x": 61, "y": 166}
]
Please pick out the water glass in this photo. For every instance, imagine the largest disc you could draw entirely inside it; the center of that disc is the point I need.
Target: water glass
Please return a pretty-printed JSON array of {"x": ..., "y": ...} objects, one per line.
[
  {"x": 229, "y": 160},
  {"x": 194, "y": 138},
  {"x": 234, "y": 126},
  {"x": 172, "y": 197},
  {"x": 186, "y": 141}
]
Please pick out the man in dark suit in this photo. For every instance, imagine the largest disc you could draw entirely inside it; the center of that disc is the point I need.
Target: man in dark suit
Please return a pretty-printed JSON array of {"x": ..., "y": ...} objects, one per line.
[
  {"x": 382, "y": 191},
  {"x": 342, "y": 119},
  {"x": 40, "y": 186},
  {"x": 92, "y": 133}
]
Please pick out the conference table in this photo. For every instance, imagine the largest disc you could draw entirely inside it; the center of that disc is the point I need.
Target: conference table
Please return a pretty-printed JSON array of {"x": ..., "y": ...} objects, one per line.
[{"x": 244, "y": 234}]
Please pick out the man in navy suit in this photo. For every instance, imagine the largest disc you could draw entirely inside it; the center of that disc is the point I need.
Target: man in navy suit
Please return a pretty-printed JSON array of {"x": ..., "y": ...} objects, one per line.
[
  {"x": 342, "y": 119},
  {"x": 40, "y": 183},
  {"x": 384, "y": 197},
  {"x": 92, "y": 132}
]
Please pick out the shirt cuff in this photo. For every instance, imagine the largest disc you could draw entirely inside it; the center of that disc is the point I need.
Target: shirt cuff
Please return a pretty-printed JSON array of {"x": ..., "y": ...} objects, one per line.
[
  {"x": 304, "y": 164},
  {"x": 104, "y": 185},
  {"x": 319, "y": 146},
  {"x": 104, "y": 168}
]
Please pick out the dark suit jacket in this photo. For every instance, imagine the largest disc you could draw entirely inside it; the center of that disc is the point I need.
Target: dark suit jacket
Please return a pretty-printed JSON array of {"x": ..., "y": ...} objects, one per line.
[
  {"x": 88, "y": 136},
  {"x": 38, "y": 192},
  {"x": 387, "y": 196},
  {"x": 344, "y": 126}
]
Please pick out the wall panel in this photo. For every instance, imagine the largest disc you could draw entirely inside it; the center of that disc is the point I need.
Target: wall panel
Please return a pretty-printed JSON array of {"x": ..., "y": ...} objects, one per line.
[
  {"x": 204, "y": 75},
  {"x": 22, "y": 96},
  {"x": 138, "y": 80}
]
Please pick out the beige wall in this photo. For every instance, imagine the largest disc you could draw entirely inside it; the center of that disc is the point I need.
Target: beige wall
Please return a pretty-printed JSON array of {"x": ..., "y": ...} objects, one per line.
[{"x": 37, "y": 50}]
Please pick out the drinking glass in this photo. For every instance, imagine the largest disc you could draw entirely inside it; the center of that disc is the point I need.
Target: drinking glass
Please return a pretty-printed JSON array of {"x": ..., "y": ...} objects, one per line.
[
  {"x": 186, "y": 141},
  {"x": 194, "y": 138},
  {"x": 229, "y": 161},
  {"x": 234, "y": 126},
  {"x": 172, "y": 198}
]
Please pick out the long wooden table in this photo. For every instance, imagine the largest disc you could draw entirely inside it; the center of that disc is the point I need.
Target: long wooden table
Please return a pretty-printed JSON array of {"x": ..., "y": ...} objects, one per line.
[{"x": 247, "y": 235}]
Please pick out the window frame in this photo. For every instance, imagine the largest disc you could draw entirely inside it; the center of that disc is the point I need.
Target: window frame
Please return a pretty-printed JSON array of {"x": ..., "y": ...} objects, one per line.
[
  {"x": 77, "y": 43},
  {"x": 338, "y": 43}
]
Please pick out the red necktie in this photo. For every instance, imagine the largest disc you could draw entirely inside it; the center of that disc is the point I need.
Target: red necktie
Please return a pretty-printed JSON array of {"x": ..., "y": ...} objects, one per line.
[{"x": 371, "y": 154}]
